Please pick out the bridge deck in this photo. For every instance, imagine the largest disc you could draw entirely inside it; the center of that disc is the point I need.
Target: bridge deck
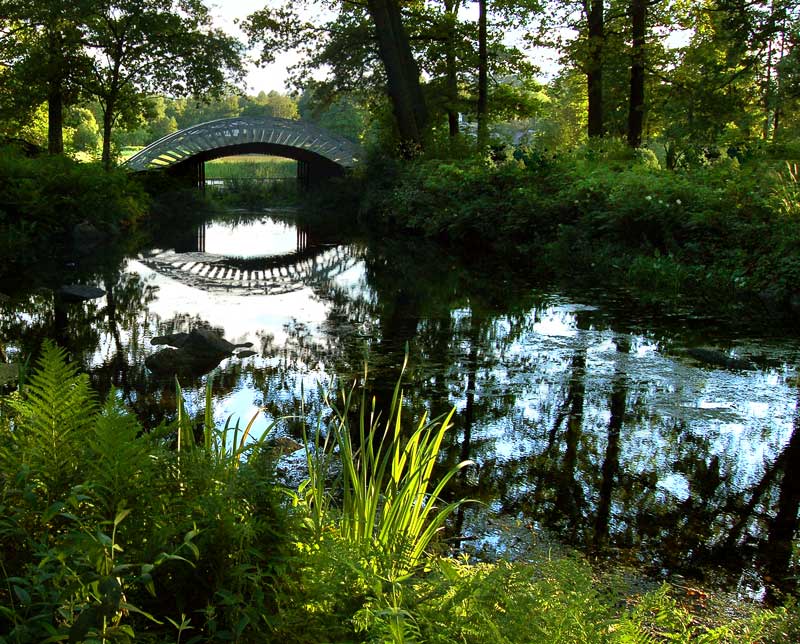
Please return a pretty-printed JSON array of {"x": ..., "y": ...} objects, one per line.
[{"x": 294, "y": 139}]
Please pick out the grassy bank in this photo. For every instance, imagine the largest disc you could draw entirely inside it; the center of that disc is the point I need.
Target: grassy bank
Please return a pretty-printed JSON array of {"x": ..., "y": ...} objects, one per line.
[
  {"x": 721, "y": 228},
  {"x": 255, "y": 166},
  {"x": 110, "y": 533},
  {"x": 43, "y": 199}
]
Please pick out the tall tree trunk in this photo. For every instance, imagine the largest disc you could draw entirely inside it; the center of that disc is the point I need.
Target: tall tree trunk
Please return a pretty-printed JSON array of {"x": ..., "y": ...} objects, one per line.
[
  {"x": 768, "y": 107},
  {"x": 594, "y": 67},
  {"x": 451, "y": 13},
  {"x": 55, "y": 118},
  {"x": 402, "y": 72},
  {"x": 638, "y": 15},
  {"x": 108, "y": 126},
  {"x": 483, "y": 77},
  {"x": 55, "y": 93}
]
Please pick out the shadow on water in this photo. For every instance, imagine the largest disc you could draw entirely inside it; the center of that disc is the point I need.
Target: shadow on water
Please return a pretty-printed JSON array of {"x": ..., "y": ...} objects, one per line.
[{"x": 655, "y": 436}]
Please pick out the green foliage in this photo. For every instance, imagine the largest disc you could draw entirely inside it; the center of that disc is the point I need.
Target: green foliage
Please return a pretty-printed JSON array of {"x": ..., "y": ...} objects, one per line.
[
  {"x": 723, "y": 227},
  {"x": 42, "y": 198},
  {"x": 129, "y": 538},
  {"x": 390, "y": 504},
  {"x": 787, "y": 191},
  {"x": 251, "y": 167},
  {"x": 107, "y": 533}
]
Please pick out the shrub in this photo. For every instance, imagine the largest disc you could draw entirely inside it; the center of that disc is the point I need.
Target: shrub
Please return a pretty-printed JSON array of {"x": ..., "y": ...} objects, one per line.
[
  {"x": 108, "y": 532},
  {"x": 42, "y": 198}
]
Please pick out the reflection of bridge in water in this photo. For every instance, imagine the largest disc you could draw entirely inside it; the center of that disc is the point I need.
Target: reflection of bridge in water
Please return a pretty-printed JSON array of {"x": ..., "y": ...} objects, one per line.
[{"x": 306, "y": 266}]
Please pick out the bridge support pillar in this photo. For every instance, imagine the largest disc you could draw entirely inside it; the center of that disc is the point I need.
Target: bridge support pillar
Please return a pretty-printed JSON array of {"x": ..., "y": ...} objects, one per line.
[{"x": 302, "y": 174}]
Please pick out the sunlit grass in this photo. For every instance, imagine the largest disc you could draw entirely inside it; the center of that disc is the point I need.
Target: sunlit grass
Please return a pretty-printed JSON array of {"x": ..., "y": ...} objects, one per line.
[
  {"x": 251, "y": 166},
  {"x": 391, "y": 506}
]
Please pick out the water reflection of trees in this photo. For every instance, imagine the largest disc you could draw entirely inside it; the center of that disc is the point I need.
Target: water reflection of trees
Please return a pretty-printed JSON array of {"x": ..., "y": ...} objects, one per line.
[{"x": 564, "y": 433}]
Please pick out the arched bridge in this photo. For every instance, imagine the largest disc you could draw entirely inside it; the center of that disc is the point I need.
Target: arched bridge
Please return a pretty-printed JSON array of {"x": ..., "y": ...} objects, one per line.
[{"x": 320, "y": 154}]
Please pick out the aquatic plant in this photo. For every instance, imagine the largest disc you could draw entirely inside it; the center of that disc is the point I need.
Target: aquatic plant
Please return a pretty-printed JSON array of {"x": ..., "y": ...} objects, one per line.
[{"x": 391, "y": 506}]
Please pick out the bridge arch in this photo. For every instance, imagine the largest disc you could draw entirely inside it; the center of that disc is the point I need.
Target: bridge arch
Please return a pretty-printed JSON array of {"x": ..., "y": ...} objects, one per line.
[{"x": 319, "y": 153}]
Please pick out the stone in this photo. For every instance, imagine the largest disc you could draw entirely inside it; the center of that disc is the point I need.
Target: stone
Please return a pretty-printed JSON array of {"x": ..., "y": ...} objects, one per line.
[
  {"x": 176, "y": 340},
  {"x": 79, "y": 293},
  {"x": 208, "y": 343},
  {"x": 181, "y": 362}
]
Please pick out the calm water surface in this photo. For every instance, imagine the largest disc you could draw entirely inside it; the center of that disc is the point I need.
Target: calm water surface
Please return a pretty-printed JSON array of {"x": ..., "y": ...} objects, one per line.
[{"x": 591, "y": 421}]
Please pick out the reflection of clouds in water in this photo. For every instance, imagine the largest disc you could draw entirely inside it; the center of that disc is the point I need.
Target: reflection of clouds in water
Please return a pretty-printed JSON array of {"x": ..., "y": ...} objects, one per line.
[
  {"x": 240, "y": 317},
  {"x": 257, "y": 239},
  {"x": 557, "y": 322},
  {"x": 675, "y": 485}
]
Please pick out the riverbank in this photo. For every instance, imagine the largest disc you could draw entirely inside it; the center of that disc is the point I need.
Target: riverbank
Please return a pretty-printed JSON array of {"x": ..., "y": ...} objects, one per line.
[
  {"x": 113, "y": 532},
  {"x": 726, "y": 231}
]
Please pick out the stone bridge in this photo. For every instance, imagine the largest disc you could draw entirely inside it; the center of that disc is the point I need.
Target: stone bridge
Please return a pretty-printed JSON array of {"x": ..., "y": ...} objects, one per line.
[{"x": 320, "y": 155}]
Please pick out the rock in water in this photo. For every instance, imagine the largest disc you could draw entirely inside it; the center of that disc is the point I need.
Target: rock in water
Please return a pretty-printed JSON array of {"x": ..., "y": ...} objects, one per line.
[
  {"x": 176, "y": 340},
  {"x": 206, "y": 342},
  {"x": 79, "y": 293}
]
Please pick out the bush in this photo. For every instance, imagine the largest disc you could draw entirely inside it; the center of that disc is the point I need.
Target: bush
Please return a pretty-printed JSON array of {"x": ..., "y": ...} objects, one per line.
[
  {"x": 719, "y": 227},
  {"x": 42, "y": 198},
  {"x": 108, "y": 532}
]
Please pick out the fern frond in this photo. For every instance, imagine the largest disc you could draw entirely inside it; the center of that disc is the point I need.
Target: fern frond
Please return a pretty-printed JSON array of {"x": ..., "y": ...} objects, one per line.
[
  {"x": 119, "y": 454},
  {"x": 55, "y": 415}
]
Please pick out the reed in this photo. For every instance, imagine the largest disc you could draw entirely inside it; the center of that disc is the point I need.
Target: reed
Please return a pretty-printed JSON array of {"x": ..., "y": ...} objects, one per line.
[{"x": 391, "y": 499}]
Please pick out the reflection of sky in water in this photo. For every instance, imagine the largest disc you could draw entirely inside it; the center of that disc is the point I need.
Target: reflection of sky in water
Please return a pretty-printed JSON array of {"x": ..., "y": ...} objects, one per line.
[
  {"x": 257, "y": 239},
  {"x": 677, "y": 412},
  {"x": 240, "y": 317}
]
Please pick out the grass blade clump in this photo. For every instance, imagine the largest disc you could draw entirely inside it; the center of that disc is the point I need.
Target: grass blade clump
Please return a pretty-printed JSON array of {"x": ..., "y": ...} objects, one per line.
[{"x": 391, "y": 505}]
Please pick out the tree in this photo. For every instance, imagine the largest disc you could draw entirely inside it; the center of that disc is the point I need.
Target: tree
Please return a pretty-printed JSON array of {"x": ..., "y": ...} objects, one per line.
[
  {"x": 143, "y": 47},
  {"x": 43, "y": 57},
  {"x": 402, "y": 72}
]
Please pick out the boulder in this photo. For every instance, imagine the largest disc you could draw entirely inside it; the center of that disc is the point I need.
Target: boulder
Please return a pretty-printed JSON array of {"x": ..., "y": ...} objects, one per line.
[
  {"x": 194, "y": 353},
  {"x": 204, "y": 342},
  {"x": 176, "y": 340}
]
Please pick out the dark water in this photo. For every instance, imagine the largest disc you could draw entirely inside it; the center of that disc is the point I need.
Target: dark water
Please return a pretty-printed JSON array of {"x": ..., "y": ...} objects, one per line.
[{"x": 592, "y": 421}]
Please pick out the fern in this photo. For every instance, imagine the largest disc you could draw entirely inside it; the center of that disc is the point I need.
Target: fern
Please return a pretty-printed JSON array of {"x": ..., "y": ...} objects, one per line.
[
  {"x": 119, "y": 455},
  {"x": 54, "y": 417}
]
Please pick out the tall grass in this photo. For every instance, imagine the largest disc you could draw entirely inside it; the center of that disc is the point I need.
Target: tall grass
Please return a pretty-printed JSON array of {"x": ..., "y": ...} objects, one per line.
[
  {"x": 391, "y": 506},
  {"x": 787, "y": 191},
  {"x": 251, "y": 167},
  {"x": 226, "y": 446}
]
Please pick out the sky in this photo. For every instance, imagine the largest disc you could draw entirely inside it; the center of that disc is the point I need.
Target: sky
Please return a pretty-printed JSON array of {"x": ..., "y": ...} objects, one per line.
[{"x": 271, "y": 77}]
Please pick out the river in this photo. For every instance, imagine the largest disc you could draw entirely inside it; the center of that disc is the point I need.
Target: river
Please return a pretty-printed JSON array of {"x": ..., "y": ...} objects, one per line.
[{"x": 648, "y": 434}]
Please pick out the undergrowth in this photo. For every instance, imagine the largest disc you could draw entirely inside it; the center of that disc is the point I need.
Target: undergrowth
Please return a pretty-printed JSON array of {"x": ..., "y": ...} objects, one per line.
[
  {"x": 721, "y": 229},
  {"x": 110, "y": 533}
]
